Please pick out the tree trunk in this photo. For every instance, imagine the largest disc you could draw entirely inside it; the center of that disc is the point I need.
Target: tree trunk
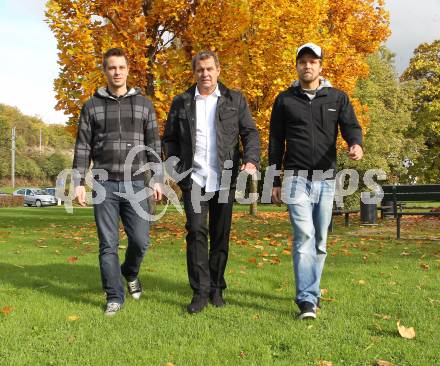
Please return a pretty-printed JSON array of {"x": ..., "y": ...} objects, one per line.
[{"x": 253, "y": 189}]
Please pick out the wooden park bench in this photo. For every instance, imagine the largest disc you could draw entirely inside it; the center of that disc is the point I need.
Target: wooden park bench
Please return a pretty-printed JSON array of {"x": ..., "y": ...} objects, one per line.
[{"x": 397, "y": 195}]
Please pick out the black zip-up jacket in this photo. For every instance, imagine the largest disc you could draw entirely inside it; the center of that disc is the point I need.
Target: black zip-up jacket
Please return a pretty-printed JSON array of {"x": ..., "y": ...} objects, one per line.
[
  {"x": 303, "y": 132},
  {"x": 233, "y": 121},
  {"x": 109, "y": 127}
]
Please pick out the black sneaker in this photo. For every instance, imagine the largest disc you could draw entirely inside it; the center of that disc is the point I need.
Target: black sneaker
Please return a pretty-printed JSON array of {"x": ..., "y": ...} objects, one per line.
[
  {"x": 307, "y": 310},
  {"x": 135, "y": 288},
  {"x": 198, "y": 303},
  {"x": 216, "y": 298}
]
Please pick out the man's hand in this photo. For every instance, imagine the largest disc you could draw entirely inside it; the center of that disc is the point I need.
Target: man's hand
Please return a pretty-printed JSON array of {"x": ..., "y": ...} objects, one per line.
[
  {"x": 157, "y": 188},
  {"x": 355, "y": 152},
  {"x": 249, "y": 167},
  {"x": 80, "y": 195},
  {"x": 276, "y": 195}
]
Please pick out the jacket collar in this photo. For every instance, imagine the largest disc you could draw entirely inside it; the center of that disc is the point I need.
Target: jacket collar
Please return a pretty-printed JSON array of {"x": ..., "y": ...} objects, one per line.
[
  {"x": 216, "y": 92},
  {"x": 191, "y": 92},
  {"x": 322, "y": 90},
  {"x": 104, "y": 93}
]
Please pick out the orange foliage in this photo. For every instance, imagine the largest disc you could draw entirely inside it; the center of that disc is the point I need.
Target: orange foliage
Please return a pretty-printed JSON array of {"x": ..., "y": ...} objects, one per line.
[{"x": 256, "y": 41}]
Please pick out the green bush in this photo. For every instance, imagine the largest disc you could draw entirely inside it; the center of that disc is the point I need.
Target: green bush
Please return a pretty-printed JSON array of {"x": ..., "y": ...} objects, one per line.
[{"x": 27, "y": 168}]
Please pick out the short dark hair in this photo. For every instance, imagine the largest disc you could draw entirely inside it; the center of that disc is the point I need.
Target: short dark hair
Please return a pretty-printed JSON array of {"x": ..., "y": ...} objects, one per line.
[
  {"x": 113, "y": 52},
  {"x": 203, "y": 55}
]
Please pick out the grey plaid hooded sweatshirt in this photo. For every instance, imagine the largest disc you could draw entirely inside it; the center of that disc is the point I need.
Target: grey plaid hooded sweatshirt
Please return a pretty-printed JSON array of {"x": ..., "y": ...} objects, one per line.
[{"x": 109, "y": 127}]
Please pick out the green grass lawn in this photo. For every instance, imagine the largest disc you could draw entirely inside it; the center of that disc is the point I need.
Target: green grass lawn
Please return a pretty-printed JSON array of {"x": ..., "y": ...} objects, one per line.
[{"x": 51, "y": 301}]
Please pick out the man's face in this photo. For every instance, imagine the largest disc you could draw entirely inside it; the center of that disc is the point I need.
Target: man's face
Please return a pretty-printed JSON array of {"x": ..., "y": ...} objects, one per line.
[
  {"x": 116, "y": 71},
  {"x": 308, "y": 67},
  {"x": 206, "y": 73}
]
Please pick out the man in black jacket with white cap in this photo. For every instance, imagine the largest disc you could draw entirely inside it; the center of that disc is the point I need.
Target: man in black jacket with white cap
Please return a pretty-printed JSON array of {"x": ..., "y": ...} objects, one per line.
[{"x": 302, "y": 140}]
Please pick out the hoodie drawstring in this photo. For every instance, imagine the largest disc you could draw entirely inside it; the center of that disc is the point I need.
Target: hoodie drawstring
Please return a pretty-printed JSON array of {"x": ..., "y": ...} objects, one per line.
[
  {"x": 105, "y": 115},
  {"x": 132, "y": 110}
]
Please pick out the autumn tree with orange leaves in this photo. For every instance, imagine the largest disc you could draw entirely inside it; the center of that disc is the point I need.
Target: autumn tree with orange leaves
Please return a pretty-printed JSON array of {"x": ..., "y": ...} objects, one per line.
[{"x": 256, "y": 41}]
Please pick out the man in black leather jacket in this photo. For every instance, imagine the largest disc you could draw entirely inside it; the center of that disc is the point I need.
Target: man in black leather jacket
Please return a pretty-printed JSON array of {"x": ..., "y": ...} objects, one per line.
[{"x": 203, "y": 130}]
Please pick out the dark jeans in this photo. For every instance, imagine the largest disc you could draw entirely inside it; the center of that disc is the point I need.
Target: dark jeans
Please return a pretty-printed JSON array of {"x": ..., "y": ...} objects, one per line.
[
  {"x": 107, "y": 216},
  {"x": 206, "y": 270}
]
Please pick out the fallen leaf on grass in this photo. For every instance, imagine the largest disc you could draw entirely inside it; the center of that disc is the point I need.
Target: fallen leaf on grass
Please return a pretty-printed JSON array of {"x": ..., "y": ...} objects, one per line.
[
  {"x": 287, "y": 252},
  {"x": 424, "y": 266},
  {"x": 6, "y": 310},
  {"x": 42, "y": 246},
  {"x": 71, "y": 339},
  {"x": 383, "y": 317},
  {"x": 328, "y": 299},
  {"x": 252, "y": 260},
  {"x": 72, "y": 318},
  {"x": 378, "y": 327},
  {"x": 169, "y": 364},
  {"x": 324, "y": 291},
  {"x": 242, "y": 354},
  {"x": 275, "y": 261},
  {"x": 361, "y": 282},
  {"x": 383, "y": 363},
  {"x": 405, "y": 254},
  {"x": 324, "y": 363},
  {"x": 72, "y": 259},
  {"x": 256, "y": 317},
  {"x": 408, "y": 333}
]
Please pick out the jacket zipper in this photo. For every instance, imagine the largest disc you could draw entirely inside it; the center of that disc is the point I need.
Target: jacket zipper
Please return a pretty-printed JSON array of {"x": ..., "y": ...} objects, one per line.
[
  {"x": 312, "y": 128},
  {"x": 120, "y": 134}
]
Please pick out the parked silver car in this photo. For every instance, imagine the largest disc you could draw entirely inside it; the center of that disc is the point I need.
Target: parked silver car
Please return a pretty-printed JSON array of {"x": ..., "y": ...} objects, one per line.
[
  {"x": 53, "y": 192},
  {"x": 36, "y": 197}
]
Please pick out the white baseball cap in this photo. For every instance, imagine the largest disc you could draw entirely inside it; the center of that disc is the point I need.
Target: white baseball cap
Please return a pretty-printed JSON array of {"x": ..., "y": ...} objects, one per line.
[{"x": 309, "y": 46}]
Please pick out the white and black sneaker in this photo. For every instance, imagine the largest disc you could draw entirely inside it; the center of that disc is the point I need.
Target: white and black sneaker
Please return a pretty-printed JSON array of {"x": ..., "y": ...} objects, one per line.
[
  {"x": 112, "y": 308},
  {"x": 135, "y": 288},
  {"x": 307, "y": 310}
]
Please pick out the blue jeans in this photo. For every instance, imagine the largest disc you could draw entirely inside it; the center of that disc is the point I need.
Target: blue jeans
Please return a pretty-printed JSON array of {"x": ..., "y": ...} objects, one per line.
[
  {"x": 310, "y": 211},
  {"x": 107, "y": 215}
]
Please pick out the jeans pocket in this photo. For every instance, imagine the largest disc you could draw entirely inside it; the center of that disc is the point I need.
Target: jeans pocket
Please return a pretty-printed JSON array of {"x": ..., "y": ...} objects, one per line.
[{"x": 295, "y": 191}]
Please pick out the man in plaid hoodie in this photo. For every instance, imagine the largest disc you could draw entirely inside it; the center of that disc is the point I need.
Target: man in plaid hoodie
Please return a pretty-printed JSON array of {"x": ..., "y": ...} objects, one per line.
[{"x": 113, "y": 122}]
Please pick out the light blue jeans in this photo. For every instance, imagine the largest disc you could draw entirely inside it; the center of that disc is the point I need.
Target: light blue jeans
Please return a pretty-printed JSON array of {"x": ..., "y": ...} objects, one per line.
[{"x": 310, "y": 210}]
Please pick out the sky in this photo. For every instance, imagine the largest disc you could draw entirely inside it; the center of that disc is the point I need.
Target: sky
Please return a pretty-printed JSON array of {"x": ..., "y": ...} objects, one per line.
[{"x": 29, "y": 57}]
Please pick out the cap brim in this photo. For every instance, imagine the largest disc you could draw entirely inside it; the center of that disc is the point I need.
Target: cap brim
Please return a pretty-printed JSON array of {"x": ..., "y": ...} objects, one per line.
[{"x": 307, "y": 50}]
